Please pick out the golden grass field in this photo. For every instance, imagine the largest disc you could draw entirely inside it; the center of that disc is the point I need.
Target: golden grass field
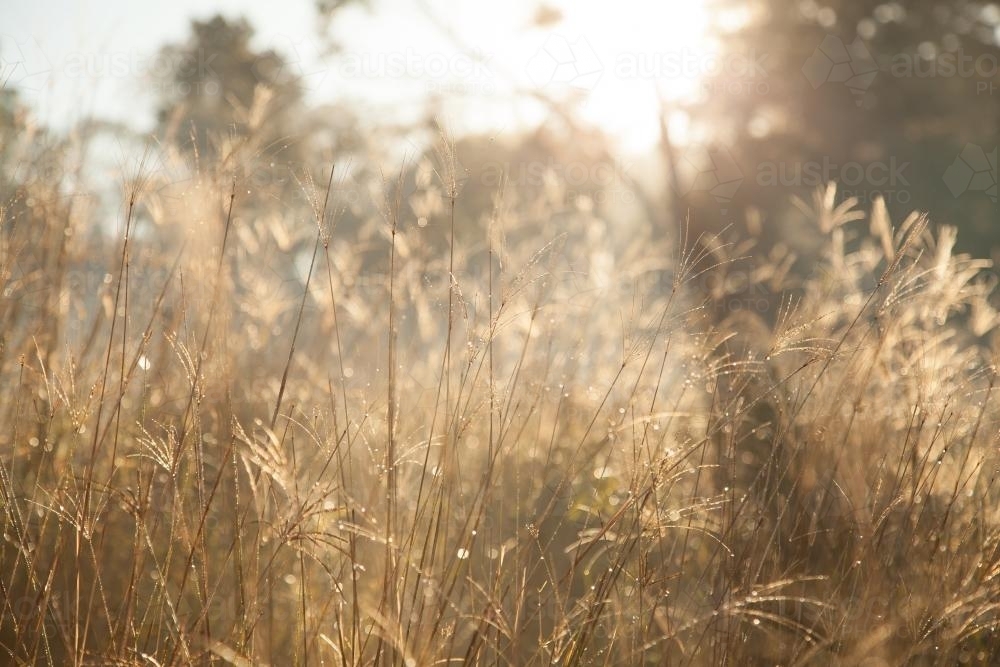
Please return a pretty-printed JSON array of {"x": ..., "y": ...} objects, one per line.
[{"x": 236, "y": 431}]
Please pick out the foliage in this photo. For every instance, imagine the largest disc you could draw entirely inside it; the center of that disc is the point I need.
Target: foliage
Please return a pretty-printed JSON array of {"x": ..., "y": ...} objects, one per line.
[
  {"x": 926, "y": 84},
  {"x": 522, "y": 445}
]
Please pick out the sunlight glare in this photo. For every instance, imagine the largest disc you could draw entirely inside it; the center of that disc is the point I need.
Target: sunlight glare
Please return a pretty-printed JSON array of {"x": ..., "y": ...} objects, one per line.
[{"x": 661, "y": 55}]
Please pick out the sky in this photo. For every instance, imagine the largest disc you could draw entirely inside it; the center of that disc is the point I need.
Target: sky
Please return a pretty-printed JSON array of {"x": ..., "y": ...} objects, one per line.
[{"x": 73, "y": 59}]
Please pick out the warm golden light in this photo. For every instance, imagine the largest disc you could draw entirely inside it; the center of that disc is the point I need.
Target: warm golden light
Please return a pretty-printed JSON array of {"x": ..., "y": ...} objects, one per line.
[{"x": 661, "y": 55}]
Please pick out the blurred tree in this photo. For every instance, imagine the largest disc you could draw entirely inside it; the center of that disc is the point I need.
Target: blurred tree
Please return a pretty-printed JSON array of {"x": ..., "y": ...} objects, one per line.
[
  {"x": 8, "y": 105},
  {"x": 213, "y": 88},
  {"x": 29, "y": 152},
  {"x": 895, "y": 91},
  {"x": 8, "y": 122},
  {"x": 218, "y": 95},
  {"x": 326, "y": 10},
  {"x": 35, "y": 224},
  {"x": 234, "y": 112}
]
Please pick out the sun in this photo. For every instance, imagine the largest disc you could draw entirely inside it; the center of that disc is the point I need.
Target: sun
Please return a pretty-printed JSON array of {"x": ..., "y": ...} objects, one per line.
[{"x": 651, "y": 55}]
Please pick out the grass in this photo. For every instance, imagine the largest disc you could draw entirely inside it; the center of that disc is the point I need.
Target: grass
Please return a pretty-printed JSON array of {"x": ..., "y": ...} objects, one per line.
[{"x": 257, "y": 432}]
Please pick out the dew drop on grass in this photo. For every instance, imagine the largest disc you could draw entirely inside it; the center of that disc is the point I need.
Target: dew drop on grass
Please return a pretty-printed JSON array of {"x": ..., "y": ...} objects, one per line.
[{"x": 463, "y": 554}]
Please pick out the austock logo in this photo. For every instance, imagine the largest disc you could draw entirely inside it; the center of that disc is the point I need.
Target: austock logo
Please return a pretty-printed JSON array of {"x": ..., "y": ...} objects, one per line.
[
  {"x": 411, "y": 64},
  {"x": 833, "y": 61},
  {"x": 974, "y": 170},
  {"x": 23, "y": 64},
  {"x": 710, "y": 169},
  {"x": 602, "y": 181},
  {"x": 858, "y": 179},
  {"x": 295, "y": 63},
  {"x": 560, "y": 61},
  {"x": 854, "y": 66}
]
